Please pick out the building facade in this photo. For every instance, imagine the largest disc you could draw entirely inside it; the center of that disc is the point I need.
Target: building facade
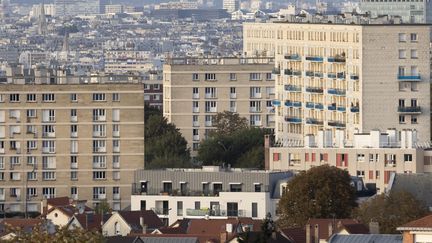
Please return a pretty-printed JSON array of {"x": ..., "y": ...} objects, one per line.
[
  {"x": 373, "y": 156},
  {"x": 80, "y": 140},
  {"x": 356, "y": 77},
  {"x": 210, "y": 192},
  {"x": 231, "y": 5},
  {"x": 411, "y": 11},
  {"x": 196, "y": 89},
  {"x": 73, "y": 8}
]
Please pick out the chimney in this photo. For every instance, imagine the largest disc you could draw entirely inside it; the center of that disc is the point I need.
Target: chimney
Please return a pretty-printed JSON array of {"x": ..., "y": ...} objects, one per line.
[
  {"x": 308, "y": 233},
  {"x": 143, "y": 226},
  {"x": 330, "y": 229},
  {"x": 316, "y": 234},
  {"x": 223, "y": 237},
  {"x": 374, "y": 228},
  {"x": 44, "y": 206},
  {"x": 267, "y": 152}
]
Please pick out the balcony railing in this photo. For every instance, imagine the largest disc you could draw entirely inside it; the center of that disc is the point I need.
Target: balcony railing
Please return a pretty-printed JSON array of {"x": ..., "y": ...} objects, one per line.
[
  {"x": 336, "y": 59},
  {"x": 340, "y": 75},
  {"x": 314, "y": 90},
  {"x": 355, "y": 109},
  {"x": 314, "y": 59},
  {"x": 339, "y": 92},
  {"x": 160, "y": 211},
  {"x": 294, "y": 57},
  {"x": 331, "y": 107},
  {"x": 292, "y": 72},
  {"x": 313, "y": 121},
  {"x": 331, "y": 75},
  {"x": 136, "y": 190},
  {"x": 341, "y": 108},
  {"x": 354, "y": 77},
  {"x": 336, "y": 124},
  {"x": 276, "y": 71},
  {"x": 293, "y": 103},
  {"x": 293, "y": 88},
  {"x": 409, "y": 109},
  {"x": 276, "y": 103},
  {"x": 312, "y": 105},
  {"x": 415, "y": 78},
  {"x": 293, "y": 119}
]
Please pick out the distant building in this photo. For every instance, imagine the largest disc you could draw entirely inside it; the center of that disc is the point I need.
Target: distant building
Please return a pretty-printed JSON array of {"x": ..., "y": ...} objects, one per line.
[
  {"x": 417, "y": 231},
  {"x": 231, "y": 5},
  {"x": 73, "y": 8},
  {"x": 195, "y": 89},
  {"x": 114, "y": 9},
  {"x": 211, "y": 192},
  {"x": 411, "y": 11}
]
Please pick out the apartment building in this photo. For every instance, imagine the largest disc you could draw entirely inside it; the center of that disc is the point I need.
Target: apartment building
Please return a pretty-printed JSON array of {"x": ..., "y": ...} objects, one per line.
[
  {"x": 195, "y": 89},
  {"x": 356, "y": 77},
  {"x": 75, "y": 139},
  {"x": 373, "y": 156},
  {"x": 231, "y": 5},
  {"x": 210, "y": 192},
  {"x": 153, "y": 89},
  {"x": 410, "y": 11}
]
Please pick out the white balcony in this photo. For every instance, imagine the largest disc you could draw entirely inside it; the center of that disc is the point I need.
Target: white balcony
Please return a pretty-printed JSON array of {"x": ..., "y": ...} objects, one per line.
[
  {"x": 116, "y": 196},
  {"x": 74, "y": 118},
  {"x": 2, "y": 150},
  {"x": 74, "y": 196},
  {"x": 48, "y": 134},
  {"x": 195, "y": 96},
  {"x": 74, "y": 165},
  {"x": 48, "y": 150},
  {"x": 101, "y": 196},
  {"x": 195, "y": 124},
  {"x": 74, "y": 134},
  {"x": 116, "y": 149},
  {"x": 99, "y": 134},
  {"x": 211, "y": 109},
  {"x": 255, "y": 109},
  {"x": 233, "y": 109},
  {"x": 256, "y": 95},
  {"x": 2, "y": 197},
  {"x": 208, "y": 123},
  {"x": 195, "y": 109},
  {"x": 210, "y": 96},
  {"x": 99, "y": 118},
  {"x": 99, "y": 149},
  {"x": 195, "y": 137},
  {"x": 233, "y": 95},
  {"x": 116, "y": 133},
  {"x": 116, "y": 165}
]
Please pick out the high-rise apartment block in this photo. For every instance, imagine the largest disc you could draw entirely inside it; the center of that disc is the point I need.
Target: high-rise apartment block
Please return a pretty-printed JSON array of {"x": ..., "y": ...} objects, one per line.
[
  {"x": 196, "y": 89},
  {"x": 231, "y": 5},
  {"x": 410, "y": 11},
  {"x": 81, "y": 140},
  {"x": 76, "y": 7},
  {"x": 351, "y": 77}
]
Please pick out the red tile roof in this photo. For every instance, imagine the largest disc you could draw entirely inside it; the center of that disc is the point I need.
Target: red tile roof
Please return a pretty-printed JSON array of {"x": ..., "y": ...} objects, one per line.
[
  {"x": 337, "y": 224},
  {"x": 58, "y": 201},
  {"x": 422, "y": 223},
  {"x": 133, "y": 219},
  {"x": 296, "y": 235},
  {"x": 92, "y": 221}
]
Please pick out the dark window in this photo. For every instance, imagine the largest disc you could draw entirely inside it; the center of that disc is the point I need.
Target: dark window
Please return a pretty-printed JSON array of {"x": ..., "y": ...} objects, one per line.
[
  {"x": 143, "y": 205},
  {"x": 144, "y": 187},
  {"x": 179, "y": 208},
  {"x": 217, "y": 187},
  {"x": 254, "y": 210},
  {"x": 197, "y": 205},
  {"x": 183, "y": 189},
  {"x": 257, "y": 187},
  {"x": 167, "y": 187},
  {"x": 235, "y": 188},
  {"x": 206, "y": 188},
  {"x": 232, "y": 209}
]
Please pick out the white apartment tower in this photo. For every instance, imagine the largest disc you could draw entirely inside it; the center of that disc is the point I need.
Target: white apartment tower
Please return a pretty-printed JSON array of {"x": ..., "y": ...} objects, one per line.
[
  {"x": 355, "y": 77},
  {"x": 231, "y": 5},
  {"x": 411, "y": 11}
]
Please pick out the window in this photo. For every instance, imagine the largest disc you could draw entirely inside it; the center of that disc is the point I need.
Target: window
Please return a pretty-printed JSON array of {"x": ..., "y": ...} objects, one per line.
[
  {"x": 2, "y": 98},
  {"x": 31, "y": 160},
  {"x": 99, "y": 162},
  {"x": 233, "y": 106},
  {"x": 31, "y": 113},
  {"x": 269, "y": 77},
  {"x": 197, "y": 205},
  {"x": 116, "y": 175},
  {"x": 255, "y": 76},
  {"x": 255, "y": 92},
  {"x": 235, "y": 187},
  {"x": 116, "y": 146},
  {"x": 413, "y": 37},
  {"x": 31, "y": 176},
  {"x": 195, "y": 76},
  {"x": 116, "y": 97},
  {"x": 233, "y": 93},
  {"x": 99, "y": 146},
  {"x": 179, "y": 208},
  {"x": 116, "y": 130},
  {"x": 48, "y": 192},
  {"x": 360, "y": 157},
  {"x": 73, "y": 97},
  {"x": 99, "y": 97},
  {"x": 413, "y": 119},
  {"x": 195, "y": 93},
  {"x": 257, "y": 187},
  {"x": 99, "y": 175},
  {"x": 408, "y": 157},
  {"x": 210, "y": 106},
  {"x": 254, "y": 210},
  {"x": 31, "y": 192},
  {"x": 99, "y": 115},
  {"x": 255, "y": 106},
  {"x": 48, "y": 115},
  {"x": 14, "y": 98},
  {"x": 31, "y": 144},
  {"x": 232, "y": 209},
  {"x": 48, "y": 97},
  {"x": 15, "y": 192},
  {"x": 167, "y": 187},
  {"x": 48, "y": 176},
  {"x": 414, "y": 54},
  {"x": 233, "y": 77},
  {"x": 99, "y": 130},
  {"x": 402, "y": 54},
  {"x": 402, "y": 37},
  {"x": 210, "y": 92},
  {"x": 15, "y": 176},
  {"x": 99, "y": 193},
  {"x": 116, "y": 115},
  {"x": 360, "y": 173},
  {"x": 74, "y": 191},
  {"x": 74, "y": 175},
  {"x": 116, "y": 161},
  {"x": 210, "y": 76}
]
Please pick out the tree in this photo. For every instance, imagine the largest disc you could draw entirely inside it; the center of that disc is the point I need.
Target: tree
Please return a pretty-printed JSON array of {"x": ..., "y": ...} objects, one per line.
[
  {"x": 321, "y": 192},
  {"x": 241, "y": 148},
  {"x": 102, "y": 207},
  {"x": 164, "y": 144},
  {"x": 40, "y": 234},
  {"x": 391, "y": 211},
  {"x": 228, "y": 122}
]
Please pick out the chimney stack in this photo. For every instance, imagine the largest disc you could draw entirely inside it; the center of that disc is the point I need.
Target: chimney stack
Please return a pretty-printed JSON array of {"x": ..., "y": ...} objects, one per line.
[
  {"x": 308, "y": 233},
  {"x": 143, "y": 226},
  {"x": 316, "y": 233},
  {"x": 374, "y": 228}
]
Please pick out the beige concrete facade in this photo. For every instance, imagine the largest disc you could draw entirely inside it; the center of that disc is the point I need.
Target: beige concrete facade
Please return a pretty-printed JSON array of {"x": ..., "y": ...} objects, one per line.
[
  {"x": 196, "y": 89},
  {"x": 352, "y": 77},
  {"x": 76, "y": 140}
]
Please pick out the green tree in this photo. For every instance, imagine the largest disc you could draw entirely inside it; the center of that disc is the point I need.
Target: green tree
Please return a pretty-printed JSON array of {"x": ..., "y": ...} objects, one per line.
[
  {"x": 321, "y": 192},
  {"x": 164, "y": 144},
  {"x": 151, "y": 111},
  {"x": 228, "y": 122},
  {"x": 241, "y": 148},
  {"x": 391, "y": 211},
  {"x": 102, "y": 207}
]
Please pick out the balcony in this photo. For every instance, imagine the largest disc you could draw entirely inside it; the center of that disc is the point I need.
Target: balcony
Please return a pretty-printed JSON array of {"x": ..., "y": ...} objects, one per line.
[
  {"x": 74, "y": 165},
  {"x": 314, "y": 59},
  {"x": 195, "y": 109},
  {"x": 295, "y": 120},
  {"x": 160, "y": 211},
  {"x": 210, "y": 96},
  {"x": 276, "y": 103},
  {"x": 116, "y": 196},
  {"x": 355, "y": 109},
  {"x": 331, "y": 108},
  {"x": 412, "y": 78},
  {"x": 293, "y": 104},
  {"x": 276, "y": 71},
  {"x": 313, "y": 121},
  {"x": 336, "y": 124},
  {"x": 208, "y": 123},
  {"x": 341, "y": 109},
  {"x": 254, "y": 109},
  {"x": 195, "y": 138},
  {"x": 354, "y": 77},
  {"x": 233, "y": 95},
  {"x": 331, "y": 75},
  {"x": 293, "y": 88},
  {"x": 409, "y": 109},
  {"x": 48, "y": 135},
  {"x": 337, "y": 59},
  {"x": 312, "y": 105},
  {"x": 340, "y": 75},
  {"x": 205, "y": 212},
  {"x": 309, "y": 74},
  {"x": 317, "y": 90},
  {"x": 338, "y": 92},
  {"x": 290, "y": 72},
  {"x": 293, "y": 57},
  {"x": 195, "y": 96}
]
